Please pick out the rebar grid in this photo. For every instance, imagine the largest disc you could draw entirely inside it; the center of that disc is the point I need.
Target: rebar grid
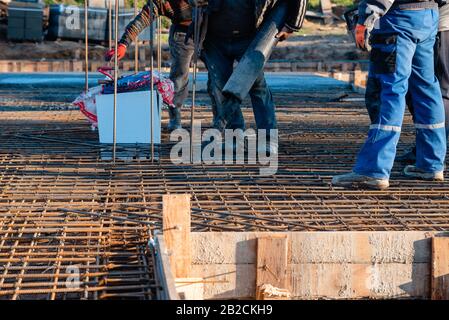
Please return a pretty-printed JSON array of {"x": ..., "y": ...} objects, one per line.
[{"x": 51, "y": 163}]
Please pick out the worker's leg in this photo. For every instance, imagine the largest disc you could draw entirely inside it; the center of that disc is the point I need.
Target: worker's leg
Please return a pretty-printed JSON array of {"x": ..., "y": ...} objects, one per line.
[
  {"x": 429, "y": 110},
  {"x": 181, "y": 56},
  {"x": 442, "y": 71},
  {"x": 263, "y": 104},
  {"x": 372, "y": 96},
  {"x": 220, "y": 66},
  {"x": 213, "y": 104},
  {"x": 391, "y": 57},
  {"x": 372, "y": 104}
]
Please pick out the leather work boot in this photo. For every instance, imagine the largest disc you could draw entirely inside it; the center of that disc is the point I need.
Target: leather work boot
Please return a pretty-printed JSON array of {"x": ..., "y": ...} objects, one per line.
[
  {"x": 175, "y": 118},
  {"x": 414, "y": 172},
  {"x": 353, "y": 179}
]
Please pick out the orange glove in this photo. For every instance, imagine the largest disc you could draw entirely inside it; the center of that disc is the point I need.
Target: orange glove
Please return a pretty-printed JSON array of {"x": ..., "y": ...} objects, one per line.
[
  {"x": 120, "y": 52},
  {"x": 360, "y": 33}
]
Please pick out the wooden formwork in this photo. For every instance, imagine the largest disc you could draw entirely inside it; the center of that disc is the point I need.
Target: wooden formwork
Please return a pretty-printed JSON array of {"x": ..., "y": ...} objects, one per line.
[{"x": 305, "y": 265}]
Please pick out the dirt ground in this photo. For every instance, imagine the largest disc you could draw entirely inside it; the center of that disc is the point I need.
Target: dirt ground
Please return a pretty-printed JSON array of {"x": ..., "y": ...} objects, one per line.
[{"x": 314, "y": 42}]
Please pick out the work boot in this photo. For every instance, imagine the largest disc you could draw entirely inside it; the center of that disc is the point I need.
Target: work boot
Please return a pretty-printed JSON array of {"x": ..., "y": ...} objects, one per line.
[
  {"x": 414, "y": 172},
  {"x": 408, "y": 157},
  {"x": 224, "y": 120},
  {"x": 175, "y": 118},
  {"x": 358, "y": 180},
  {"x": 220, "y": 124}
]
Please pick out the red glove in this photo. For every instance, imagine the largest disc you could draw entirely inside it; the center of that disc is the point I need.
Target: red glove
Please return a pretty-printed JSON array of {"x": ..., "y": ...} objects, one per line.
[
  {"x": 120, "y": 52},
  {"x": 360, "y": 34}
]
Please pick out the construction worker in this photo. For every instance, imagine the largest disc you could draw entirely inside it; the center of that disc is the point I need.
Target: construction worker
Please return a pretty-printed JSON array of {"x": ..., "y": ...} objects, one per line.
[
  {"x": 180, "y": 14},
  {"x": 441, "y": 71},
  {"x": 402, "y": 38},
  {"x": 441, "y": 53},
  {"x": 231, "y": 27}
]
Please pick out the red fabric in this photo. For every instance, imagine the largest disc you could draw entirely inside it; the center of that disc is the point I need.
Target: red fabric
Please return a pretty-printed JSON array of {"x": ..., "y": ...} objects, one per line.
[{"x": 86, "y": 102}]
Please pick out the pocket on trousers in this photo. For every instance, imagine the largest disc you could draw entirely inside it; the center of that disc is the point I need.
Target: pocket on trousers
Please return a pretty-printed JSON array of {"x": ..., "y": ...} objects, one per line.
[
  {"x": 383, "y": 38},
  {"x": 383, "y": 54}
]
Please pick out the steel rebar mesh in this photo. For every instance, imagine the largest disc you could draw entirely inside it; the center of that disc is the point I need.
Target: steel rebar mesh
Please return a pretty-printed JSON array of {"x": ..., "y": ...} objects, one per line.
[{"x": 51, "y": 163}]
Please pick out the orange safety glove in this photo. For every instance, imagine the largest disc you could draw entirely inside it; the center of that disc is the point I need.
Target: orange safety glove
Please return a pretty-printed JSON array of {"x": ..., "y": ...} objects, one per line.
[
  {"x": 120, "y": 52},
  {"x": 360, "y": 34}
]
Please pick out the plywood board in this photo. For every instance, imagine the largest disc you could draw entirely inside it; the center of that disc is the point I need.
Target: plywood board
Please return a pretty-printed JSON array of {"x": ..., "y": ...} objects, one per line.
[
  {"x": 272, "y": 261},
  {"x": 440, "y": 269},
  {"x": 176, "y": 230}
]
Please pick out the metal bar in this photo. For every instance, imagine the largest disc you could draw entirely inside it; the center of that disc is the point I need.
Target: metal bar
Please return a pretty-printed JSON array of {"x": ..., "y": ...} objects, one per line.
[
  {"x": 152, "y": 15},
  {"x": 98, "y": 215},
  {"x": 67, "y": 141},
  {"x": 159, "y": 44},
  {"x": 110, "y": 23},
  {"x": 86, "y": 45},
  {"x": 196, "y": 39},
  {"x": 136, "y": 44},
  {"x": 114, "y": 147},
  {"x": 244, "y": 216}
]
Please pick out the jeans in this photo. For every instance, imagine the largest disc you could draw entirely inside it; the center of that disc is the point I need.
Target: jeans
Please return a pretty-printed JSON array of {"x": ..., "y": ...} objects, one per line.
[
  {"x": 181, "y": 56},
  {"x": 219, "y": 55},
  {"x": 402, "y": 60}
]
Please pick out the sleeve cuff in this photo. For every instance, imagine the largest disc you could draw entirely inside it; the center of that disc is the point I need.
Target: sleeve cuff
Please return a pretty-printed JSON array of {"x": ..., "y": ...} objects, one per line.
[
  {"x": 362, "y": 19},
  {"x": 293, "y": 29},
  {"x": 123, "y": 42}
]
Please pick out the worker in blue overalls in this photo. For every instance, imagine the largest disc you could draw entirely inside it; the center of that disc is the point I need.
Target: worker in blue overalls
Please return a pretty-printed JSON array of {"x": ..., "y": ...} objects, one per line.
[{"x": 402, "y": 36}]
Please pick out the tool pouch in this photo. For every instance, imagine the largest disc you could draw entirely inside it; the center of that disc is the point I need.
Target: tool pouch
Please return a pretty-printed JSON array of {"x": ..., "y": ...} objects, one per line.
[{"x": 383, "y": 52}]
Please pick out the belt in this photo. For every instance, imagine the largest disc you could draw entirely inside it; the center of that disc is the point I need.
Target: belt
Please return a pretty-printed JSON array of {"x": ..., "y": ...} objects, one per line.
[
  {"x": 411, "y": 1},
  {"x": 414, "y": 4}
]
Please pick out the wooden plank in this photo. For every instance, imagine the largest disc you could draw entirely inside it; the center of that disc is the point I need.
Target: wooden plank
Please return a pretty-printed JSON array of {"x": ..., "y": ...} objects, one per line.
[
  {"x": 440, "y": 269},
  {"x": 164, "y": 271},
  {"x": 272, "y": 262},
  {"x": 176, "y": 229}
]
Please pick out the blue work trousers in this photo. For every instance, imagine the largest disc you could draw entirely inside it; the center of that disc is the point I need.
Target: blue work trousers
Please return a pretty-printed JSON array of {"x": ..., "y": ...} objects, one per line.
[{"x": 402, "y": 59}]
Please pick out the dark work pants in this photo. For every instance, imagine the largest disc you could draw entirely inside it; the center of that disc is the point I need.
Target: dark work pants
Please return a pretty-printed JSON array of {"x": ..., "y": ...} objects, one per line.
[
  {"x": 219, "y": 55},
  {"x": 442, "y": 70},
  {"x": 181, "y": 56}
]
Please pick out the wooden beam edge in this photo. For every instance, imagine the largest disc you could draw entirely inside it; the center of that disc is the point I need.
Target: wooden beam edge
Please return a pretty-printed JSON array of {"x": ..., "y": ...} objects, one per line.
[{"x": 164, "y": 270}]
